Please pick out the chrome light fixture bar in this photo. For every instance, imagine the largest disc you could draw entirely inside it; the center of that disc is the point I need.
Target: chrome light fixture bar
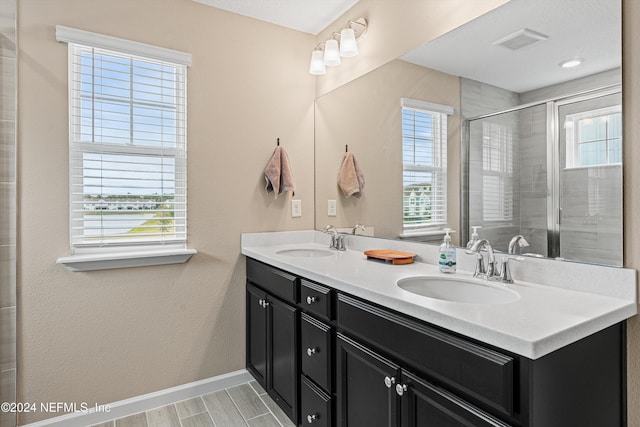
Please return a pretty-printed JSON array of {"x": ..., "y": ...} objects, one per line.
[{"x": 328, "y": 53}]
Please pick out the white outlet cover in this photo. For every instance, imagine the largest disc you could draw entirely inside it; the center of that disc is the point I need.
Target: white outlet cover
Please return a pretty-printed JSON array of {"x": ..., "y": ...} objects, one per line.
[
  {"x": 331, "y": 208},
  {"x": 296, "y": 208}
]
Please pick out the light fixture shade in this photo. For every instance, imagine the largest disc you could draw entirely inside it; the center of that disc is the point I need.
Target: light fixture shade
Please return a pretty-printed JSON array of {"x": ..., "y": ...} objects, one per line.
[
  {"x": 331, "y": 53},
  {"x": 348, "y": 44},
  {"x": 317, "y": 63}
]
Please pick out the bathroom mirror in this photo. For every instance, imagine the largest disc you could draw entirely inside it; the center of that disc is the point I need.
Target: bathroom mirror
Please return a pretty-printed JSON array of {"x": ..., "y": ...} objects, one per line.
[{"x": 506, "y": 169}]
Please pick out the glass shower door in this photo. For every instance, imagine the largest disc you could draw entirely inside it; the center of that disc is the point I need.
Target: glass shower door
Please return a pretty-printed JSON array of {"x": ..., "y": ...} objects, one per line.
[{"x": 588, "y": 224}]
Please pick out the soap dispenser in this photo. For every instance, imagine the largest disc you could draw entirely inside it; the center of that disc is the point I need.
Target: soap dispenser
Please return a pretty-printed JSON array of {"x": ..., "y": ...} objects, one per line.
[
  {"x": 474, "y": 236},
  {"x": 447, "y": 261}
]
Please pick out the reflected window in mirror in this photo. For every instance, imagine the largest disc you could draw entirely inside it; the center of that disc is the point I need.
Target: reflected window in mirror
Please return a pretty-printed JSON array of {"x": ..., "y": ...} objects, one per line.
[
  {"x": 594, "y": 138},
  {"x": 424, "y": 161},
  {"x": 497, "y": 177}
]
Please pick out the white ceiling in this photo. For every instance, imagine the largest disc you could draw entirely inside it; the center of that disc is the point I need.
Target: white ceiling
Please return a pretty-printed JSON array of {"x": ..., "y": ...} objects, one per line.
[
  {"x": 589, "y": 29},
  {"x": 308, "y": 16}
]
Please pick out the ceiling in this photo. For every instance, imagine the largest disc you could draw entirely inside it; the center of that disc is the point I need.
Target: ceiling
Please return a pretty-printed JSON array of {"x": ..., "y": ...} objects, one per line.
[
  {"x": 589, "y": 29},
  {"x": 308, "y": 16}
]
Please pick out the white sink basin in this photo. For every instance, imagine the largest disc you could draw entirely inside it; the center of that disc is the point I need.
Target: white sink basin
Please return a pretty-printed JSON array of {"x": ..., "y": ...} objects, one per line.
[
  {"x": 306, "y": 253},
  {"x": 458, "y": 290}
]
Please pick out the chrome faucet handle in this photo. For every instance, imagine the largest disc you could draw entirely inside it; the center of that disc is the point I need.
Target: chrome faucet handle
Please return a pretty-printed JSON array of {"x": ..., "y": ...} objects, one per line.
[
  {"x": 340, "y": 243},
  {"x": 357, "y": 227},
  {"x": 505, "y": 272}
]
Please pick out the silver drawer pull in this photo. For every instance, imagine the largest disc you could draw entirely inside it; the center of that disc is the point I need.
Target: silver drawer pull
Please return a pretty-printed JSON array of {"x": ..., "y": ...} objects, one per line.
[
  {"x": 311, "y": 351},
  {"x": 401, "y": 389},
  {"x": 312, "y": 418},
  {"x": 311, "y": 300},
  {"x": 389, "y": 381}
]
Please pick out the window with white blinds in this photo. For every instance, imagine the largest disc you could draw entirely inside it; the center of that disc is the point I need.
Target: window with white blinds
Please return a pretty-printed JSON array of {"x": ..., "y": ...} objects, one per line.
[
  {"x": 424, "y": 159},
  {"x": 127, "y": 147},
  {"x": 497, "y": 172}
]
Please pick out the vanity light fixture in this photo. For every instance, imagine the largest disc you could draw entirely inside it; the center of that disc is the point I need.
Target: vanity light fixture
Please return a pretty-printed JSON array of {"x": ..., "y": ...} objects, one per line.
[
  {"x": 570, "y": 63},
  {"x": 331, "y": 53},
  {"x": 343, "y": 44},
  {"x": 317, "y": 66}
]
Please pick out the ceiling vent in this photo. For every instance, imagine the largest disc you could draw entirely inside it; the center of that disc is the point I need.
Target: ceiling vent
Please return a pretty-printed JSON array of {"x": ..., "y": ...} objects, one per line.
[{"x": 520, "y": 39}]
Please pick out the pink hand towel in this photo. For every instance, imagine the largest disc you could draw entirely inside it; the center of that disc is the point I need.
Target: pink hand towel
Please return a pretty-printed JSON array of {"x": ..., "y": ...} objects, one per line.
[
  {"x": 350, "y": 177},
  {"x": 278, "y": 173}
]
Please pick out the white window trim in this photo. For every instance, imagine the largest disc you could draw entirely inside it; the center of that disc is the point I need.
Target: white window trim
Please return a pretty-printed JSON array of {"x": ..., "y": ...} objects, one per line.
[
  {"x": 421, "y": 230},
  {"x": 572, "y": 158},
  {"x": 132, "y": 256}
]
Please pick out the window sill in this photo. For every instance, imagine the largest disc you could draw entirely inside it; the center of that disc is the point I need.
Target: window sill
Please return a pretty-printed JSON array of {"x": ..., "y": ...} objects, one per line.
[{"x": 107, "y": 261}]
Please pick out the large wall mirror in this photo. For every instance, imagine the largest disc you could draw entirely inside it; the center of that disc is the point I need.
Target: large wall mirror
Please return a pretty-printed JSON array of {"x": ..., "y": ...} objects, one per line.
[{"x": 483, "y": 126}]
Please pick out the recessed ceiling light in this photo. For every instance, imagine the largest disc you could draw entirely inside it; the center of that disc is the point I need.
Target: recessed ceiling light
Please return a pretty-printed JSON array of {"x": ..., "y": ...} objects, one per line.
[{"x": 570, "y": 63}]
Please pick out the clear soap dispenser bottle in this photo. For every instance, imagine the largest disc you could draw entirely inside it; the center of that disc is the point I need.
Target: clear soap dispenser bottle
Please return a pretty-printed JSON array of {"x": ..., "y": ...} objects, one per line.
[
  {"x": 447, "y": 261},
  {"x": 474, "y": 236}
]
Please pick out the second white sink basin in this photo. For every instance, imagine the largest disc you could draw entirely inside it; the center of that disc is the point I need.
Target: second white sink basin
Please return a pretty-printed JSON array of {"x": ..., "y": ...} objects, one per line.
[
  {"x": 458, "y": 290},
  {"x": 306, "y": 253}
]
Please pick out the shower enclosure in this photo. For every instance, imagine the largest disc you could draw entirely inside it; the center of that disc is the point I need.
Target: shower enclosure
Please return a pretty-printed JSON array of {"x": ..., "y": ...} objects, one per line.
[{"x": 552, "y": 172}]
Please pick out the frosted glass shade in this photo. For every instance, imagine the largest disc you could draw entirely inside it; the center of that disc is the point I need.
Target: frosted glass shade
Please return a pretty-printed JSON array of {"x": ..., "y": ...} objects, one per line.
[
  {"x": 348, "y": 44},
  {"x": 331, "y": 53},
  {"x": 317, "y": 63}
]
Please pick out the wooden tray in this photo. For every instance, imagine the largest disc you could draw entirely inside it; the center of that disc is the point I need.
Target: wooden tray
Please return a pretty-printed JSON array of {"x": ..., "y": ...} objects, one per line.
[{"x": 393, "y": 257}]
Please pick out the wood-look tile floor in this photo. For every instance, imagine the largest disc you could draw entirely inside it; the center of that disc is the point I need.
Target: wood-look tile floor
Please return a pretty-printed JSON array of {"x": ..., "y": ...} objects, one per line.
[{"x": 246, "y": 405}]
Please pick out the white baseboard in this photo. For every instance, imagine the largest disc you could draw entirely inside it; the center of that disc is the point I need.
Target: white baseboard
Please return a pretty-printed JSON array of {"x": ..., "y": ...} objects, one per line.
[{"x": 146, "y": 402}]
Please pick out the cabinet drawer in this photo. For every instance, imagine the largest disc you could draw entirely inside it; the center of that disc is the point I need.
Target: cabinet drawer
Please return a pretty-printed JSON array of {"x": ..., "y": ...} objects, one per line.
[
  {"x": 277, "y": 282},
  {"x": 316, "y": 351},
  {"x": 315, "y": 299},
  {"x": 480, "y": 373},
  {"x": 315, "y": 405}
]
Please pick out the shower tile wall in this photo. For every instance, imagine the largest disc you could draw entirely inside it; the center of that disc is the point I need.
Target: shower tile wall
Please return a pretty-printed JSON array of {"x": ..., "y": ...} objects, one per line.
[
  {"x": 532, "y": 173},
  {"x": 7, "y": 208},
  {"x": 478, "y": 99}
]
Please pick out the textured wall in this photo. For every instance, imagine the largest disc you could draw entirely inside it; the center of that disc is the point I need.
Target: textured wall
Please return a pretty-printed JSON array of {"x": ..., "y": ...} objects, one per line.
[
  {"x": 631, "y": 108},
  {"x": 104, "y": 336}
]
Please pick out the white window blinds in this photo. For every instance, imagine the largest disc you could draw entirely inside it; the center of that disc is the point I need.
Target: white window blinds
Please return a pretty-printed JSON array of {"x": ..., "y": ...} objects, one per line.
[
  {"x": 424, "y": 157},
  {"x": 127, "y": 148},
  {"x": 497, "y": 172}
]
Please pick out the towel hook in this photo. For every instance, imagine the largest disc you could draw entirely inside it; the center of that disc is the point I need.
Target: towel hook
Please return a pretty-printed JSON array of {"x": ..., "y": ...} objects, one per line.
[
  {"x": 278, "y": 142},
  {"x": 346, "y": 148}
]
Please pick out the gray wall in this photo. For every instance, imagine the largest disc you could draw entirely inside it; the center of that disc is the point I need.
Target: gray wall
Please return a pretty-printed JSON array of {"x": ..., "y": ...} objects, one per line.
[{"x": 7, "y": 208}]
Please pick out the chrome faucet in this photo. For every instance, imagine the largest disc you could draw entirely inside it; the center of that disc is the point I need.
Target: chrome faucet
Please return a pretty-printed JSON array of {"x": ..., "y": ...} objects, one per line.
[
  {"x": 517, "y": 240},
  {"x": 337, "y": 239},
  {"x": 487, "y": 269},
  {"x": 357, "y": 227}
]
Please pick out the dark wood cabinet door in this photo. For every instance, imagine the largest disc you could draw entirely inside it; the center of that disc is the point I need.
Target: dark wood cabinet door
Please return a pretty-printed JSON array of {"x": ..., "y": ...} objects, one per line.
[
  {"x": 282, "y": 349},
  {"x": 257, "y": 334},
  {"x": 362, "y": 397},
  {"x": 425, "y": 405}
]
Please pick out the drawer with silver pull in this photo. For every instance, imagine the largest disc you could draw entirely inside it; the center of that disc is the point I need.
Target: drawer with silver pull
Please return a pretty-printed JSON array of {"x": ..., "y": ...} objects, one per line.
[
  {"x": 316, "y": 350},
  {"x": 315, "y": 405},
  {"x": 315, "y": 299}
]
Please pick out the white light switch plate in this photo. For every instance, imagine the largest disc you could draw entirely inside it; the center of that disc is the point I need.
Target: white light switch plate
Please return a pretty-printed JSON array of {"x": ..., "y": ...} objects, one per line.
[
  {"x": 331, "y": 208},
  {"x": 296, "y": 208}
]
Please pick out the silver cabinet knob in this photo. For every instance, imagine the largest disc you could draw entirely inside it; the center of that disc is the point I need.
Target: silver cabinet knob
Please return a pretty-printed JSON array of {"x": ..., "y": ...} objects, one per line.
[
  {"x": 311, "y": 300},
  {"x": 389, "y": 381},
  {"x": 401, "y": 389},
  {"x": 261, "y": 303},
  {"x": 311, "y": 351},
  {"x": 312, "y": 418},
  {"x": 266, "y": 304}
]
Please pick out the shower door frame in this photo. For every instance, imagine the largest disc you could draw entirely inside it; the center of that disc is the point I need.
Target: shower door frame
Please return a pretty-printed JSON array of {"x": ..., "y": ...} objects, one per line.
[{"x": 552, "y": 106}]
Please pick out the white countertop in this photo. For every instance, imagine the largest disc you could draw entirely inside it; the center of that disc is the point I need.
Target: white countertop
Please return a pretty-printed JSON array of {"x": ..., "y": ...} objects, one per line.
[{"x": 543, "y": 319}]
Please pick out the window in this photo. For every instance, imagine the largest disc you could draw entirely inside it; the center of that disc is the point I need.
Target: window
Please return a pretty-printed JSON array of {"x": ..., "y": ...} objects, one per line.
[
  {"x": 594, "y": 138},
  {"x": 424, "y": 159},
  {"x": 127, "y": 144},
  {"x": 497, "y": 172}
]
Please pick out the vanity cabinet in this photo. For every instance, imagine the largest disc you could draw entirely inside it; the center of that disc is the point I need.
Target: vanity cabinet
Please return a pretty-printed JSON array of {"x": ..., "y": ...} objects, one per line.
[
  {"x": 272, "y": 333},
  {"x": 332, "y": 359}
]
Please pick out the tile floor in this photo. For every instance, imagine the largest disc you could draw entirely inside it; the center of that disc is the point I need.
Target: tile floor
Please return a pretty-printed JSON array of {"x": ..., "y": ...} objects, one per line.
[{"x": 246, "y": 405}]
